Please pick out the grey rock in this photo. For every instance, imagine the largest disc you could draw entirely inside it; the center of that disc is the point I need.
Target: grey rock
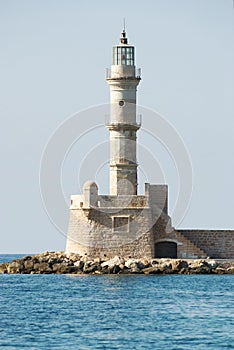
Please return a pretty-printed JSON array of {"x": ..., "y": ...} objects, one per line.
[
  {"x": 212, "y": 264},
  {"x": 79, "y": 264},
  {"x": 178, "y": 265},
  {"x": 28, "y": 264},
  {"x": 132, "y": 263},
  {"x": 116, "y": 261},
  {"x": 42, "y": 267},
  {"x": 15, "y": 267},
  {"x": 3, "y": 268},
  {"x": 153, "y": 270},
  {"x": 61, "y": 268},
  {"x": 90, "y": 267}
]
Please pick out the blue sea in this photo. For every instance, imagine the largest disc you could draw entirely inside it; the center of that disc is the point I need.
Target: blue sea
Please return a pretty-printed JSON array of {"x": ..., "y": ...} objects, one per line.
[{"x": 116, "y": 312}]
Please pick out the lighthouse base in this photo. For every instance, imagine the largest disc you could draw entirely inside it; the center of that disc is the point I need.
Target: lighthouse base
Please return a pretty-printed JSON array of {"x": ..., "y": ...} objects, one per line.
[{"x": 129, "y": 226}]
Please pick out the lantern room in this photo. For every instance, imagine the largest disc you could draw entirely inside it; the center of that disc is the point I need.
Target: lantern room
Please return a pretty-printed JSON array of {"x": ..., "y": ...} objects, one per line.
[{"x": 123, "y": 54}]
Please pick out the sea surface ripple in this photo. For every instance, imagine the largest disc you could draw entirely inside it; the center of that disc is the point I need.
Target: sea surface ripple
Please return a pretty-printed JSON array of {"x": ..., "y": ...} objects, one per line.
[{"x": 116, "y": 312}]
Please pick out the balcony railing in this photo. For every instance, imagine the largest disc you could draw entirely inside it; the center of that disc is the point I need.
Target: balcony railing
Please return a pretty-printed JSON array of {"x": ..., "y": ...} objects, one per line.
[
  {"x": 137, "y": 74},
  {"x": 137, "y": 123}
]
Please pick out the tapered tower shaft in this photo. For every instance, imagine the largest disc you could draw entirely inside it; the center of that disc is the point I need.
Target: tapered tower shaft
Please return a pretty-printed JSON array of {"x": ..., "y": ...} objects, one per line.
[{"x": 123, "y": 124}]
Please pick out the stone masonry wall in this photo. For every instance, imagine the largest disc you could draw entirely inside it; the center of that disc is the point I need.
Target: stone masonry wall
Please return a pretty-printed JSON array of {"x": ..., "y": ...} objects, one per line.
[
  {"x": 140, "y": 248},
  {"x": 218, "y": 244},
  {"x": 90, "y": 232}
]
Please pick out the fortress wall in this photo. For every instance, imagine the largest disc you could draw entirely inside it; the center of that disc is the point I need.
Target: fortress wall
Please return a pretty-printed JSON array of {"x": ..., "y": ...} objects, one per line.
[
  {"x": 91, "y": 232},
  {"x": 218, "y": 244},
  {"x": 139, "y": 249},
  {"x": 123, "y": 201}
]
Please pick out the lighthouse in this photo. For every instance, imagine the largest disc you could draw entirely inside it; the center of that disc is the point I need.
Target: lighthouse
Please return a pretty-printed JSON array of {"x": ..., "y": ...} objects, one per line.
[
  {"x": 123, "y": 79},
  {"x": 124, "y": 222}
]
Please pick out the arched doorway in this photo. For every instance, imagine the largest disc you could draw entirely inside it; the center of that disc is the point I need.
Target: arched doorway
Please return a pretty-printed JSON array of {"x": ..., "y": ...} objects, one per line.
[{"x": 165, "y": 250}]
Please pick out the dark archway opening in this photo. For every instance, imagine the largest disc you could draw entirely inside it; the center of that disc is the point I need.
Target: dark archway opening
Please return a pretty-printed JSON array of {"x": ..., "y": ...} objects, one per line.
[{"x": 165, "y": 250}]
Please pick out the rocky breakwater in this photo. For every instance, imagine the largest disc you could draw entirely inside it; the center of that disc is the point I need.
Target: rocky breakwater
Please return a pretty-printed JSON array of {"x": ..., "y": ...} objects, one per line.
[{"x": 62, "y": 263}]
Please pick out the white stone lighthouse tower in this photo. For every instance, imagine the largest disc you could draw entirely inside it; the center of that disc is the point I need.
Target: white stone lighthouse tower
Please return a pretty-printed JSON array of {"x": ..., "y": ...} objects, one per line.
[
  {"x": 123, "y": 222},
  {"x": 122, "y": 124}
]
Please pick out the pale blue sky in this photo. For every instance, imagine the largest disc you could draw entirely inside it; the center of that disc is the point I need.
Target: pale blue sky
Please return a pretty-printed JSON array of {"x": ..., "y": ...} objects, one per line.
[{"x": 52, "y": 64}]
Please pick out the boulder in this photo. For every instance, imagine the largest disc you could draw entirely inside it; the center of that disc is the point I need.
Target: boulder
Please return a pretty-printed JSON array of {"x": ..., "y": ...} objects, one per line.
[
  {"x": 29, "y": 264},
  {"x": 42, "y": 267},
  {"x": 144, "y": 263},
  {"x": 85, "y": 258},
  {"x": 73, "y": 257},
  {"x": 212, "y": 264},
  {"x": 220, "y": 271},
  {"x": 122, "y": 266},
  {"x": 115, "y": 269},
  {"x": 79, "y": 264},
  {"x": 154, "y": 262},
  {"x": 178, "y": 265},
  {"x": 90, "y": 267},
  {"x": 3, "y": 268},
  {"x": 165, "y": 265},
  {"x": 198, "y": 267},
  {"x": 152, "y": 270},
  {"x": 15, "y": 266},
  {"x": 135, "y": 269},
  {"x": 116, "y": 261},
  {"x": 230, "y": 270},
  {"x": 27, "y": 257},
  {"x": 184, "y": 271},
  {"x": 60, "y": 268},
  {"x": 132, "y": 263}
]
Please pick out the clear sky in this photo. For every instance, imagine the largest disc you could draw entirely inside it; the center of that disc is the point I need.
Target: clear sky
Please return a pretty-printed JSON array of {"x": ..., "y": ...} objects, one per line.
[{"x": 53, "y": 55}]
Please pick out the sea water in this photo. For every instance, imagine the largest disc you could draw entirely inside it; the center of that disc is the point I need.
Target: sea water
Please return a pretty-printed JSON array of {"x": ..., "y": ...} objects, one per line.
[{"x": 116, "y": 312}]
